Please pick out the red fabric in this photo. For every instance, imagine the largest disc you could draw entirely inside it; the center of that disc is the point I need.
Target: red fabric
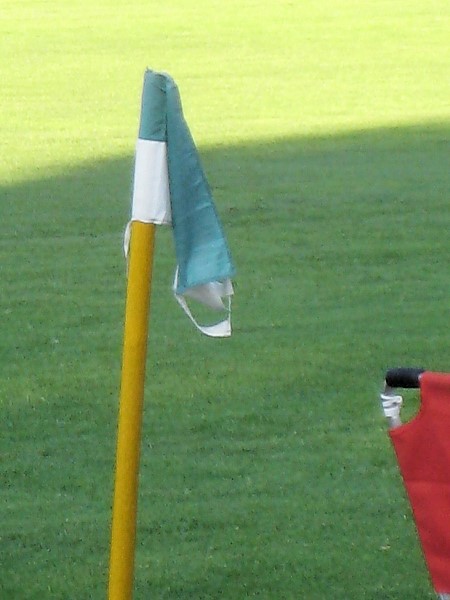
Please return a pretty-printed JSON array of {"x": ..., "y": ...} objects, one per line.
[{"x": 422, "y": 447}]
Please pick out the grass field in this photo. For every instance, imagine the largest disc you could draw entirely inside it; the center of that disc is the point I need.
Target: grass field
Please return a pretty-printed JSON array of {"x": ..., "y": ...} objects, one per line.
[{"x": 266, "y": 470}]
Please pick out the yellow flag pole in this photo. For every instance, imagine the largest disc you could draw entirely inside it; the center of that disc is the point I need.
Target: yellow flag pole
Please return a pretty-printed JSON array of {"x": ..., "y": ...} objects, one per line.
[{"x": 123, "y": 536}]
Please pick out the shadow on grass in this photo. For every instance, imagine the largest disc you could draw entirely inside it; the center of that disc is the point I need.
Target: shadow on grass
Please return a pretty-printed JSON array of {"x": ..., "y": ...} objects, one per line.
[
  {"x": 324, "y": 231},
  {"x": 341, "y": 246}
]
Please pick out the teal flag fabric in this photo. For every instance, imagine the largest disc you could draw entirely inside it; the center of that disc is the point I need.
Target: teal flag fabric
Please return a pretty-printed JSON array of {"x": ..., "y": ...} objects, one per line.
[
  {"x": 201, "y": 248},
  {"x": 152, "y": 125}
]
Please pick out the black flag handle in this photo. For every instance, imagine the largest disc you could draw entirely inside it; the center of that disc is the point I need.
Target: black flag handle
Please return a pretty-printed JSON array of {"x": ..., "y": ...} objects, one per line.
[{"x": 404, "y": 377}]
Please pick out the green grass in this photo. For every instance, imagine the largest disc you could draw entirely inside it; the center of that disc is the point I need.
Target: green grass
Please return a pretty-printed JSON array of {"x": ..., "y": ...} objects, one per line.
[{"x": 266, "y": 471}]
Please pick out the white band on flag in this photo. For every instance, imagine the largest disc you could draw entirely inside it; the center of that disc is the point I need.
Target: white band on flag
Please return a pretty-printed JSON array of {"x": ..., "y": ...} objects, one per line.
[
  {"x": 222, "y": 329},
  {"x": 151, "y": 197},
  {"x": 211, "y": 295}
]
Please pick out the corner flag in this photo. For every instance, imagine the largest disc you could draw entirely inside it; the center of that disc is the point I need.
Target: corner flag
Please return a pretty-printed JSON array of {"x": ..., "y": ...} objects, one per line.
[{"x": 170, "y": 187}]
